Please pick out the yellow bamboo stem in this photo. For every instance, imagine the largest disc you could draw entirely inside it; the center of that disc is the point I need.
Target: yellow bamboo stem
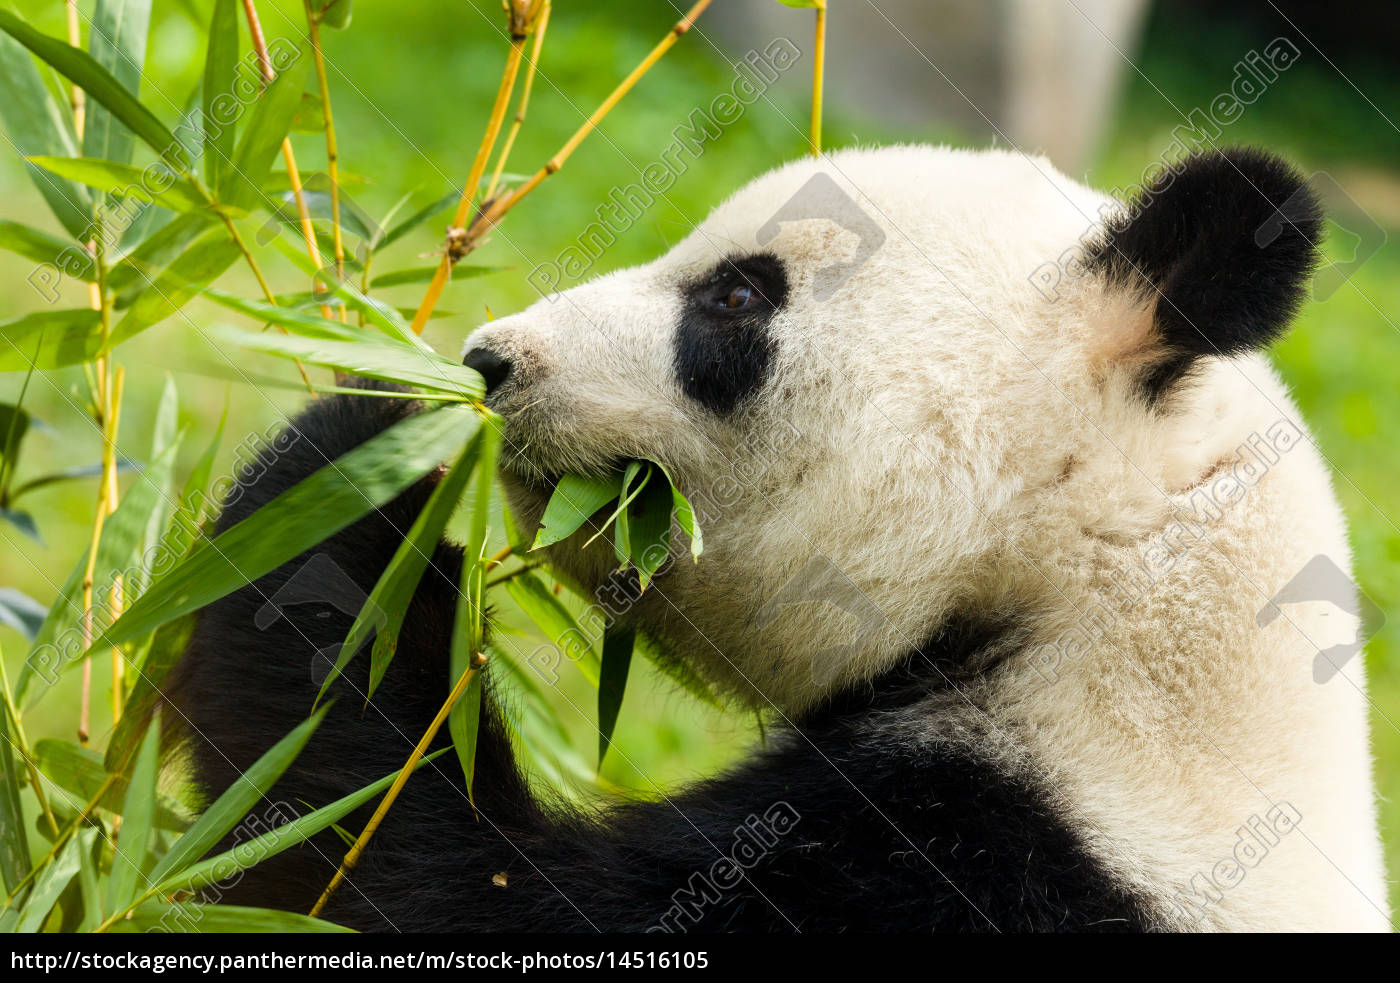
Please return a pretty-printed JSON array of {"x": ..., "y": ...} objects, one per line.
[
  {"x": 521, "y": 109},
  {"x": 483, "y": 152},
  {"x": 353, "y": 856},
  {"x": 332, "y": 151},
  {"x": 497, "y": 210},
  {"x": 109, "y": 472},
  {"x": 818, "y": 66},
  {"x": 289, "y": 157},
  {"x": 77, "y": 98}
]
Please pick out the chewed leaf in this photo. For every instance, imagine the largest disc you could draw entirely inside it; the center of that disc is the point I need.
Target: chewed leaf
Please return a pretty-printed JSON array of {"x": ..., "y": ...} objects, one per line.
[
  {"x": 650, "y": 521},
  {"x": 577, "y": 498},
  {"x": 685, "y": 516},
  {"x": 574, "y": 500},
  {"x": 612, "y": 682},
  {"x": 622, "y": 532}
]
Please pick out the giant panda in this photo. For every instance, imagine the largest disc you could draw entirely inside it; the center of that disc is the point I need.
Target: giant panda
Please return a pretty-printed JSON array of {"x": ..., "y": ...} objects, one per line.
[{"x": 1016, "y": 594}]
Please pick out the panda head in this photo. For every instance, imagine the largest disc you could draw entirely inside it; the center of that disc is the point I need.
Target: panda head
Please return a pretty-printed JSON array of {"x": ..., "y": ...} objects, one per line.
[{"x": 886, "y": 421}]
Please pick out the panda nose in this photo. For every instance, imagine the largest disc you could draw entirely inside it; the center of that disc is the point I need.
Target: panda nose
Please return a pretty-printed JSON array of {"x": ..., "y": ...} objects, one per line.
[{"x": 493, "y": 367}]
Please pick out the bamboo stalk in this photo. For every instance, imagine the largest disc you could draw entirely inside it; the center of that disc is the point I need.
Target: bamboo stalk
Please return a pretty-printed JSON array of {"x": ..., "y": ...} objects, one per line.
[
  {"x": 62, "y": 838},
  {"x": 77, "y": 98},
  {"x": 353, "y": 856},
  {"x": 22, "y": 745},
  {"x": 524, "y": 105},
  {"x": 483, "y": 151},
  {"x": 308, "y": 231},
  {"x": 109, "y": 471},
  {"x": 332, "y": 152},
  {"x": 263, "y": 285},
  {"x": 818, "y": 67},
  {"x": 497, "y": 210}
]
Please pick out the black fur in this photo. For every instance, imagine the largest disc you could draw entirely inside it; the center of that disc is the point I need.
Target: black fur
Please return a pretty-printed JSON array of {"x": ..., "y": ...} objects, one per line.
[
  {"x": 880, "y": 831},
  {"x": 1223, "y": 244},
  {"x": 724, "y": 355}
]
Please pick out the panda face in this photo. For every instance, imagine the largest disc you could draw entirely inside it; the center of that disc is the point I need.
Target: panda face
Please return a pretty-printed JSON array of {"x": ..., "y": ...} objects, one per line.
[{"x": 849, "y": 370}]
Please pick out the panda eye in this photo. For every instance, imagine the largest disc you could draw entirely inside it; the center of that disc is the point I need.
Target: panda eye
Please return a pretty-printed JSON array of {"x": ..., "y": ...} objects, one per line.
[
  {"x": 741, "y": 296},
  {"x": 724, "y": 343}
]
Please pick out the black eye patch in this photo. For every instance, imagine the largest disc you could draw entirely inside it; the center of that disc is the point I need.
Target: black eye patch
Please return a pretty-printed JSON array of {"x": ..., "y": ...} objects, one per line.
[{"x": 723, "y": 347}]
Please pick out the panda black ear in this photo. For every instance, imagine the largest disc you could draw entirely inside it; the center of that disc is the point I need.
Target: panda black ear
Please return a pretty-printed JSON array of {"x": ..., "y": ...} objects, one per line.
[{"x": 1220, "y": 247}]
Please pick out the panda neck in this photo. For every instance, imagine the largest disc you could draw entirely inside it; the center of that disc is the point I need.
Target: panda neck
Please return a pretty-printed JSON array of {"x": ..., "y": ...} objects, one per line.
[{"x": 955, "y": 654}]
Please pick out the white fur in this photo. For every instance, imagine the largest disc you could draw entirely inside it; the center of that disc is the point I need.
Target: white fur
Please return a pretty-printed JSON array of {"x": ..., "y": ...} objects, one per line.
[{"x": 968, "y": 445}]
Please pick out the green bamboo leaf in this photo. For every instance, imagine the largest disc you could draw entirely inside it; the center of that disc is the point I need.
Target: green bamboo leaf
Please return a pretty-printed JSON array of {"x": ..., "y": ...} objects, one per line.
[
  {"x": 138, "y": 821},
  {"x": 14, "y": 424},
  {"x": 311, "y": 114},
  {"x": 268, "y": 124},
  {"x": 150, "y": 669},
  {"x": 231, "y": 862},
  {"x": 219, "y": 918},
  {"x": 612, "y": 682},
  {"x": 374, "y": 359},
  {"x": 556, "y": 621},
  {"x": 117, "y": 42},
  {"x": 50, "y": 339},
  {"x": 383, "y": 611},
  {"x": 533, "y": 722},
  {"x": 235, "y": 803},
  {"x": 88, "y": 874},
  {"x": 80, "y": 772},
  {"x": 575, "y": 499},
  {"x": 21, "y": 612},
  {"x": 469, "y": 620},
  {"x": 80, "y": 68},
  {"x": 302, "y": 322},
  {"x": 77, "y": 473},
  {"x": 193, "y": 270},
  {"x": 38, "y": 126},
  {"x": 650, "y": 527},
  {"x": 118, "y": 552},
  {"x": 220, "y": 64},
  {"x": 151, "y": 184},
  {"x": 382, "y": 316},
  {"x": 621, "y": 517},
  {"x": 24, "y": 522},
  {"x": 682, "y": 512},
  {"x": 139, "y": 269},
  {"x": 424, "y": 274},
  {"x": 14, "y": 843},
  {"x": 48, "y": 886},
  {"x": 419, "y": 217},
  {"x": 285, "y": 209},
  {"x": 335, "y": 14},
  {"x": 316, "y": 508},
  {"x": 44, "y": 248}
]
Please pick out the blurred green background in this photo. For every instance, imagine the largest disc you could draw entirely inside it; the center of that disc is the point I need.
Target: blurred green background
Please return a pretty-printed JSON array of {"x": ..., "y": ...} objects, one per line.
[{"x": 411, "y": 85}]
